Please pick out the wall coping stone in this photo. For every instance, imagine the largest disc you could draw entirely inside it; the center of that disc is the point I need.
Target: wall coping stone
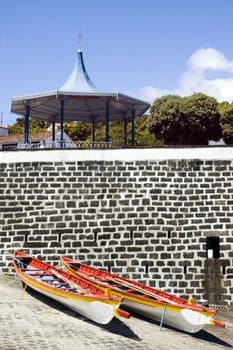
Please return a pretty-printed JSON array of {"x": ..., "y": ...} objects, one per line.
[{"x": 131, "y": 154}]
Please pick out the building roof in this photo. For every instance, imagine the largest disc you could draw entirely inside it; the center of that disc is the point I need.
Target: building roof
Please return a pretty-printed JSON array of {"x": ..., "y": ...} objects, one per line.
[{"x": 20, "y": 137}]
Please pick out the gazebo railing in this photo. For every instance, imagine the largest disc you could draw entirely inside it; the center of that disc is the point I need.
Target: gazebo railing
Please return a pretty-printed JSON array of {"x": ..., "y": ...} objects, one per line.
[
  {"x": 64, "y": 145},
  {"x": 91, "y": 144}
]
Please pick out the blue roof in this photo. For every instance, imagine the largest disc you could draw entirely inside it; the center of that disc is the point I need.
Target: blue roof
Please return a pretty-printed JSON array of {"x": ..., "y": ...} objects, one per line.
[{"x": 79, "y": 80}]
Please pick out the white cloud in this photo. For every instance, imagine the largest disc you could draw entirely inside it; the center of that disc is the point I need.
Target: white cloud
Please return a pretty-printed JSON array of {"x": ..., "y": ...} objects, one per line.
[
  {"x": 149, "y": 93},
  {"x": 210, "y": 59},
  {"x": 196, "y": 79}
]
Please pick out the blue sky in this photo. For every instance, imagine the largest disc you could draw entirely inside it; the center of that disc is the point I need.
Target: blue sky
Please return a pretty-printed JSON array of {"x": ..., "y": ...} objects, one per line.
[{"x": 144, "y": 48}]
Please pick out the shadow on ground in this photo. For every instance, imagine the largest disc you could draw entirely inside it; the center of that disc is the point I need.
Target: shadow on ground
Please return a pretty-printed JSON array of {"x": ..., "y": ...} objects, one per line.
[
  {"x": 203, "y": 334},
  {"x": 116, "y": 326},
  {"x": 211, "y": 338}
]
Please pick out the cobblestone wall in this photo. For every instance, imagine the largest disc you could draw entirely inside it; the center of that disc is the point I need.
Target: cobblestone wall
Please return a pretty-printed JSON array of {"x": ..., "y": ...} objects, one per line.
[{"x": 148, "y": 220}]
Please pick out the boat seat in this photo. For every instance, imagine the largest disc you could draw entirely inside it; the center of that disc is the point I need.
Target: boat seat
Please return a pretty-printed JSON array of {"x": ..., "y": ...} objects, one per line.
[
  {"x": 136, "y": 292},
  {"x": 49, "y": 279},
  {"x": 38, "y": 274},
  {"x": 31, "y": 269},
  {"x": 119, "y": 286},
  {"x": 69, "y": 289}
]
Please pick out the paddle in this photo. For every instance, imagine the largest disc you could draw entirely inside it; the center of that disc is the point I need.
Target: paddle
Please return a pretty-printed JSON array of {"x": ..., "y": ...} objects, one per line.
[
  {"x": 128, "y": 284},
  {"x": 140, "y": 289}
]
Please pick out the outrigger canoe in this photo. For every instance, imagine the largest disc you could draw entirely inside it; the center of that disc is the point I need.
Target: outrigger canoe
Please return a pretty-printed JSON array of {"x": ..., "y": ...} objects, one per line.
[
  {"x": 147, "y": 301},
  {"x": 71, "y": 291}
]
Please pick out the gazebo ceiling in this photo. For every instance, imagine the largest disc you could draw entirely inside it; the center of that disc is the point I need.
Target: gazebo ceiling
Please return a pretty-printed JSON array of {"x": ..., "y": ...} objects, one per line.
[
  {"x": 82, "y": 101},
  {"x": 79, "y": 106}
]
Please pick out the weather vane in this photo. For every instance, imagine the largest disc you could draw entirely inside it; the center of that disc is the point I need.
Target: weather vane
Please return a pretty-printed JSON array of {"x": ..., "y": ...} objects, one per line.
[{"x": 79, "y": 40}]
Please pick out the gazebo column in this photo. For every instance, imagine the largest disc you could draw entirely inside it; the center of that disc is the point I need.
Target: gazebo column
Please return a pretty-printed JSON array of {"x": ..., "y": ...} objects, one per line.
[
  {"x": 26, "y": 125},
  {"x": 61, "y": 123},
  {"x": 107, "y": 122},
  {"x": 53, "y": 133},
  {"x": 133, "y": 127},
  {"x": 125, "y": 130},
  {"x": 93, "y": 131}
]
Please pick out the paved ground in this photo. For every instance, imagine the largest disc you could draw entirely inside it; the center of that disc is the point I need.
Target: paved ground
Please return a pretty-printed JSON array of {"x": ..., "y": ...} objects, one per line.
[{"x": 30, "y": 323}]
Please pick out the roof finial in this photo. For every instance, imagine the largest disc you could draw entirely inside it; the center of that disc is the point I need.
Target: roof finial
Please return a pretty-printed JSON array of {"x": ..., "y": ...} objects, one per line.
[{"x": 79, "y": 41}]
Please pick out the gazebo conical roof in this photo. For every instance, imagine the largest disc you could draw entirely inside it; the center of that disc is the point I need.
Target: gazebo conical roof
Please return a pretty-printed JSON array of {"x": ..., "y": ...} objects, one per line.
[
  {"x": 79, "y": 100},
  {"x": 79, "y": 80}
]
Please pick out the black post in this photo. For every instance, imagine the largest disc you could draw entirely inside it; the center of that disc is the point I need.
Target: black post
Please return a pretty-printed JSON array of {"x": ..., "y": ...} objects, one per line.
[
  {"x": 125, "y": 130},
  {"x": 133, "y": 127},
  {"x": 61, "y": 123},
  {"x": 93, "y": 131},
  {"x": 53, "y": 133},
  {"x": 26, "y": 125},
  {"x": 107, "y": 122}
]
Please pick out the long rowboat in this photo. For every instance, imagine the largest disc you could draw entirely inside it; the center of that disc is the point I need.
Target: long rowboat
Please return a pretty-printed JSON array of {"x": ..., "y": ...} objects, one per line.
[
  {"x": 147, "y": 301},
  {"x": 72, "y": 291}
]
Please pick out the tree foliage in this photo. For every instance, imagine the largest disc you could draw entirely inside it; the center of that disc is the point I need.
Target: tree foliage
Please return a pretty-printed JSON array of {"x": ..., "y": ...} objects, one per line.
[
  {"x": 78, "y": 131},
  {"x": 192, "y": 120},
  {"x": 142, "y": 135},
  {"x": 116, "y": 133},
  {"x": 34, "y": 126},
  {"x": 166, "y": 119},
  {"x": 222, "y": 106},
  {"x": 226, "y": 121},
  {"x": 202, "y": 119}
]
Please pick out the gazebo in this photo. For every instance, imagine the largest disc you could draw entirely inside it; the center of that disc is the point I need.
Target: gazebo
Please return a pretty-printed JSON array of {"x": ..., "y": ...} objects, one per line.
[{"x": 79, "y": 100}]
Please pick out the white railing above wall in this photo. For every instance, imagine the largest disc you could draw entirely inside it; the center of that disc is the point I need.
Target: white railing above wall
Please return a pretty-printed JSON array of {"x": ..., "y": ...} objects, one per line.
[
  {"x": 87, "y": 144},
  {"x": 63, "y": 144}
]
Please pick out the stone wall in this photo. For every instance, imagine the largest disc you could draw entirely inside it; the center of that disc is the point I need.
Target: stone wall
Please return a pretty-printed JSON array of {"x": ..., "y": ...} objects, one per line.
[{"x": 147, "y": 219}]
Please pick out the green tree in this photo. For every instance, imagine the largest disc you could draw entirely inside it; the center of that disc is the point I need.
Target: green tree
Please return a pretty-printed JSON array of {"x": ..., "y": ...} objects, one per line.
[
  {"x": 202, "y": 119},
  {"x": 17, "y": 127},
  {"x": 116, "y": 132},
  {"x": 142, "y": 135},
  {"x": 167, "y": 120},
  {"x": 222, "y": 106},
  {"x": 34, "y": 126},
  {"x": 78, "y": 131},
  {"x": 226, "y": 122},
  {"x": 192, "y": 120}
]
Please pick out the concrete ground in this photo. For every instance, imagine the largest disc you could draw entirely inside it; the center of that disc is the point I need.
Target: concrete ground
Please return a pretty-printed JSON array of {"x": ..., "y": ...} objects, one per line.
[{"x": 28, "y": 321}]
